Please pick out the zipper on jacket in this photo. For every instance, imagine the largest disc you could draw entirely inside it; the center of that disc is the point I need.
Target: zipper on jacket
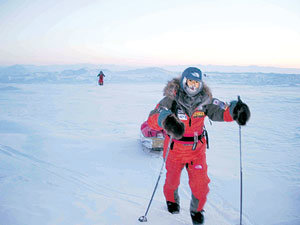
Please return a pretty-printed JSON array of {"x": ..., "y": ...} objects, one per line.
[{"x": 190, "y": 122}]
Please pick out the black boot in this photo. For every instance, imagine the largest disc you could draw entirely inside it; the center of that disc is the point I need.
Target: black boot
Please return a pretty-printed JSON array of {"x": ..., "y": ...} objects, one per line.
[
  {"x": 197, "y": 217},
  {"x": 173, "y": 207}
]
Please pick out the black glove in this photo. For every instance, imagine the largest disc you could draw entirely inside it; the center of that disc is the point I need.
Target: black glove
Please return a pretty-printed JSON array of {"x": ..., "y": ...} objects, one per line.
[
  {"x": 173, "y": 126},
  {"x": 241, "y": 113}
]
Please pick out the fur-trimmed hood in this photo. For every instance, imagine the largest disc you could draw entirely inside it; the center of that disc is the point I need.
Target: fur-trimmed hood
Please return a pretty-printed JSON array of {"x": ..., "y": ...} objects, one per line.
[
  {"x": 173, "y": 86},
  {"x": 174, "y": 91}
]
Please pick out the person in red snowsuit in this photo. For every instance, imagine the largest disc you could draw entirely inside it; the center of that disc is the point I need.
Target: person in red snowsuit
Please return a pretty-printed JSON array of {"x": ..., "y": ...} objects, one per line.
[
  {"x": 188, "y": 100},
  {"x": 101, "y": 76}
]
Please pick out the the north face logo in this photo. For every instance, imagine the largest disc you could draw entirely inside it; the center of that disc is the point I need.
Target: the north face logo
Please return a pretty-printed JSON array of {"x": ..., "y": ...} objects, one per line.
[
  {"x": 198, "y": 167},
  {"x": 196, "y": 74}
]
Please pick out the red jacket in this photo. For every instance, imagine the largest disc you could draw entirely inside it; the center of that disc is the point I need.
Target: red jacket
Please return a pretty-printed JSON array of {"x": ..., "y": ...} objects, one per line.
[{"x": 192, "y": 117}]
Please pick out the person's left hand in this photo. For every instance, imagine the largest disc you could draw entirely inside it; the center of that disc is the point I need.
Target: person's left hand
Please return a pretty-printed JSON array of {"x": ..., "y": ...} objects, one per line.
[{"x": 241, "y": 113}]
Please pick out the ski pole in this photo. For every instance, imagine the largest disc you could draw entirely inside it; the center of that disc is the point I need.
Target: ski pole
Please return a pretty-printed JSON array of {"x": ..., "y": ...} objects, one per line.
[
  {"x": 241, "y": 170},
  {"x": 144, "y": 218},
  {"x": 241, "y": 177}
]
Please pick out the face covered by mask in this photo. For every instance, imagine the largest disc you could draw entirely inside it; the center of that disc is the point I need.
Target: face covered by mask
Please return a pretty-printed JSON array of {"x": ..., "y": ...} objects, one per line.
[
  {"x": 193, "y": 87},
  {"x": 190, "y": 94},
  {"x": 191, "y": 81}
]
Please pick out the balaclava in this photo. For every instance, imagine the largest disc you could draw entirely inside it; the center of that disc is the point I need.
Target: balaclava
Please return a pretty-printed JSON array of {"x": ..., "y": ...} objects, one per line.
[{"x": 191, "y": 73}]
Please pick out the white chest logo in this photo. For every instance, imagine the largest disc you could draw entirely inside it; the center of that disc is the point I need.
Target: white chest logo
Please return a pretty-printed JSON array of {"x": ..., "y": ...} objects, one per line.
[{"x": 182, "y": 116}]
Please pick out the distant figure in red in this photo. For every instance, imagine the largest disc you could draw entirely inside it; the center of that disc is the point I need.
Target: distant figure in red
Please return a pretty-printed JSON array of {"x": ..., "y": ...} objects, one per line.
[{"x": 101, "y": 76}]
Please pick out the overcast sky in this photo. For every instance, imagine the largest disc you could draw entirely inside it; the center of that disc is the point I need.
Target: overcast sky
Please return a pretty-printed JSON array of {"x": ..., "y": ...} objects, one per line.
[{"x": 150, "y": 32}]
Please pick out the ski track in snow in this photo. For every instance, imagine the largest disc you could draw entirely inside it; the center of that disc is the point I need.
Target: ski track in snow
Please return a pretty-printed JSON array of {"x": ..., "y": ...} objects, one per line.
[
  {"x": 81, "y": 180},
  {"x": 77, "y": 178},
  {"x": 69, "y": 154}
]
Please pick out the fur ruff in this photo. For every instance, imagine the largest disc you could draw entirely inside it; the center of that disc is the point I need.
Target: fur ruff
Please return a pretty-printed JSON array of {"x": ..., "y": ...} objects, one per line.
[{"x": 174, "y": 91}]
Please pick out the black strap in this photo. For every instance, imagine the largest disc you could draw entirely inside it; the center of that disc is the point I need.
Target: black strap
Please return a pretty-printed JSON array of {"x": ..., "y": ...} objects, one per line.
[
  {"x": 206, "y": 137},
  {"x": 172, "y": 145},
  {"x": 191, "y": 139}
]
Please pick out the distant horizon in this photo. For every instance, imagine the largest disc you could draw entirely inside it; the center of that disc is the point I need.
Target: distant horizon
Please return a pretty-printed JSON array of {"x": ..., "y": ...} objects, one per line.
[
  {"x": 172, "y": 68},
  {"x": 147, "y": 65}
]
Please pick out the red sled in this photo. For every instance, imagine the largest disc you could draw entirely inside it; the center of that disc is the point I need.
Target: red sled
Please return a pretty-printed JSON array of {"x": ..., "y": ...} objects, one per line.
[{"x": 152, "y": 139}]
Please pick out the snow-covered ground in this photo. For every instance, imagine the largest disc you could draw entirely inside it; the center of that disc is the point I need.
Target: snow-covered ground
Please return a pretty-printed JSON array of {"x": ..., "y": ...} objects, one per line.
[{"x": 70, "y": 155}]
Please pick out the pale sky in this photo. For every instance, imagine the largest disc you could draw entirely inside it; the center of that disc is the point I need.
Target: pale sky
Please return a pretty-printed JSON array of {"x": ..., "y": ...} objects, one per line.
[{"x": 150, "y": 32}]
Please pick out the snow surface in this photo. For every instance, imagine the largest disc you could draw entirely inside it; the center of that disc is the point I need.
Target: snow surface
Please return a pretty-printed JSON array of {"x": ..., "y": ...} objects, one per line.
[{"x": 70, "y": 154}]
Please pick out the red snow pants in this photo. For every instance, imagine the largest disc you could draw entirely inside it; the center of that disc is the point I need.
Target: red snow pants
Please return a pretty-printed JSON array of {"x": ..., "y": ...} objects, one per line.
[
  {"x": 100, "y": 81},
  {"x": 182, "y": 156}
]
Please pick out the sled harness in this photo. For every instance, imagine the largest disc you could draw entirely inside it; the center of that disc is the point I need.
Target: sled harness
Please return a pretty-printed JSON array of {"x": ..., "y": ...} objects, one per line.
[{"x": 194, "y": 139}]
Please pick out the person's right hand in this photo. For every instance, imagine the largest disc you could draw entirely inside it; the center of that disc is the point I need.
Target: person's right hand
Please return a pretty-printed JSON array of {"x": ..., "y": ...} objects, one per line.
[{"x": 173, "y": 126}]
